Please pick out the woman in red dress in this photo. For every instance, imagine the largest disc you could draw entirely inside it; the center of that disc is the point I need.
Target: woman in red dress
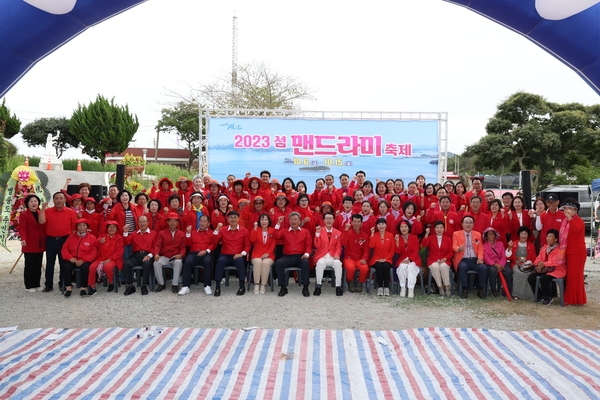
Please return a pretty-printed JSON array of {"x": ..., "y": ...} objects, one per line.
[
  {"x": 33, "y": 242},
  {"x": 572, "y": 240}
]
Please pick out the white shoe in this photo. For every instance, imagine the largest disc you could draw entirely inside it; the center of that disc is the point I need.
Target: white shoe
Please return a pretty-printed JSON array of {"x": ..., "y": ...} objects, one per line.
[
  {"x": 263, "y": 289},
  {"x": 207, "y": 290},
  {"x": 32, "y": 290},
  {"x": 256, "y": 288},
  {"x": 380, "y": 291},
  {"x": 184, "y": 290},
  {"x": 386, "y": 291},
  {"x": 411, "y": 293},
  {"x": 38, "y": 289},
  {"x": 402, "y": 291}
]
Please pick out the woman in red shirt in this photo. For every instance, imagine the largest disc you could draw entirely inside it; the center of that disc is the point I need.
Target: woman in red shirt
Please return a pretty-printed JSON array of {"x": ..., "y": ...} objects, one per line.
[
  {"x": 78, "y": 252},
  {"x": 110, "y": 255},
  {"x": 383, "y": 245},
  {"x": 33, "y": 243},
  {"x": 263, "y": 252},
  {"x": 439, "y": 257},
  {"x": 407, "y": 246}
]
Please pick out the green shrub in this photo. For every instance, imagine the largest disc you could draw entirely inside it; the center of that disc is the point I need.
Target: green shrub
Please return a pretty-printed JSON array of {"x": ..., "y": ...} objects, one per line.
[{"x": 168, "y": 171}]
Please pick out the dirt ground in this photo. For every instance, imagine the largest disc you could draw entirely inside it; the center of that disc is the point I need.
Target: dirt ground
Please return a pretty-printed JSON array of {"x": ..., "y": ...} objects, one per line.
[{"x": 351, "y": 311}]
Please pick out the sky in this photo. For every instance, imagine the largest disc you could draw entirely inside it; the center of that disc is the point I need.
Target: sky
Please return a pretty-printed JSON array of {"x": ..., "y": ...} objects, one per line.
[{"x": 401, "y": 55}]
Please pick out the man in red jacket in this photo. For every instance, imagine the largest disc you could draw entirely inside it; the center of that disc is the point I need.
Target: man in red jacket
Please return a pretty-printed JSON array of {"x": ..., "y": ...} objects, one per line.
[
  {"x": 78, "y": 252},
  {"x": 297, "y": 246},
  {"x": 142, "y": 242},
  {"x": 201, "y": 242},
  {"x": 356, "y": 254},
  {"x": 169, "y": 250},
  {"x": 235, "y": 247},
  {"x": 328, "y": 249}
]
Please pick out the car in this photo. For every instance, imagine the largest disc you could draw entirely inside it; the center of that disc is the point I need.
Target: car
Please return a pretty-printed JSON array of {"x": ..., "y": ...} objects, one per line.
[{"x": 588, "y": 201}]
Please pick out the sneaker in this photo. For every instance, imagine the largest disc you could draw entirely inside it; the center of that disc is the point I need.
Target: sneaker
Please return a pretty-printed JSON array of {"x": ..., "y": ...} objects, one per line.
[
  {"x": 91, "y": 291},
  {"x": 547, "y": 302},
  {"x": 47, "y": 289},
  {"x": 256, "y": 288},
  {"x": 38, "y": 289},
  {"x": 403, "y": 291},
  {"x": 411, "y": 293},
  {"x": 31, "y": 290},
  {"x": 380, "y": 291},
  {"x": 184, "y": 290},
  {"x": 358, "y": 288},
  {"x": 263, "y": 289},
  {"x": 83, "y": 292},
  {"x": 207, "y": 290},
  {"x": 67, "y": 293},
  {"x": 386, "y": 291}
]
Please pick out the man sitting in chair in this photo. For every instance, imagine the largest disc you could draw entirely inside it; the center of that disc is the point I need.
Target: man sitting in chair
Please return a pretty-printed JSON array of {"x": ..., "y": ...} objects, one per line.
[
  {"x": 297, "y": 246},
  {"x": 235, "y": 241},
  {"x": 169, "y": 249},
  {"x": 328, "y": 249}
]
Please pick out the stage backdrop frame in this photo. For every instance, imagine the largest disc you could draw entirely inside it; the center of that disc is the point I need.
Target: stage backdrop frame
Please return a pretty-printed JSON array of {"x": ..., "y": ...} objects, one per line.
[{"x": 207, "y": 116}]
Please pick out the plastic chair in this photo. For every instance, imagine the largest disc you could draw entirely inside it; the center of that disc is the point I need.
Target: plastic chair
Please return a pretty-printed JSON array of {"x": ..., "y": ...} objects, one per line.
[
  {"x": 471, "y": 275},
  {"x": 138, "y": 270},
  {"x": 561, "y": 288},
  {"x": 330, "y": 269}
]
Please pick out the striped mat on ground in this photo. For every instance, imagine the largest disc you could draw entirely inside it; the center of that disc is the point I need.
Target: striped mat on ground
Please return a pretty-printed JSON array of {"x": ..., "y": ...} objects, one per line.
[{"x": 182, "y": 363}]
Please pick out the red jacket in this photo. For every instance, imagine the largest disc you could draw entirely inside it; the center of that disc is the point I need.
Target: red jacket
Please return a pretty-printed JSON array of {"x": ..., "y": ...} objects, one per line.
[
  {"x": 118, "y": 214},
  {"x": 324, "y": 245},
  {"x": 259, "y": 246},
  {"x": 437, "y": 252},
  {"x": 112, "y": 249},
  {"x": 162, "y": 195},
  {"x": 32, "y": 232},
  {"x": 234, "y": 241},
  {"x": 451, "y": 220},
  {"x": 382, "y": 248},
  {"x": 80, "y": 248},
  {"x": 169, "y": 244},
  {"x": 356, "y": 245},
  {"x": 200, "y": 240},
  {"x": 295, "y": 241},
  {"x": 94, "y": 221},
  {"x": 409, "y": 249},
  {"x": 141, "y": 241}
]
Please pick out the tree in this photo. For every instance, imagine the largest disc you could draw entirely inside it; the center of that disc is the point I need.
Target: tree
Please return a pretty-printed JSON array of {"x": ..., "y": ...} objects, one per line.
[
  {"x": 36, "y": 132},
  {"x": 103, "y": 127},
  {"x": 528, "y": 132},
  {"x": 184, "y": 120},
  {"x": 9, "y": 127},
  {"x": 257, "y": 87}
]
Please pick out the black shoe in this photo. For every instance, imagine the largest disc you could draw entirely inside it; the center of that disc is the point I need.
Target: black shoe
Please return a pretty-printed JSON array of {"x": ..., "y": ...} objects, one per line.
[
  {"x": 91, "y": 291},
  {"x": 358, "y": 288},
  {"x": 241, "y": 291},
  {"x": 217, "y": 292},
  {"x": 306, "y": 292},
  {"x": 47, "y": 289},
  {"x": 83, "y": 292},
  {"x": 317, "y": 291},
  {"x": 480, "y": 294},
  {"x": 282, "y": 292},
  {"x": 351, "y": 286},
  {"x": 495, "y": 293},
  {"x": 130, "y": 290},
  {"x": 159, "y": 288},
  {"x": 338, "y": 291},
  {"x": 67, "y": 293},
  {"x": 175, "y": 288},
  {"x": 464, "y": 294},
  {"x": 111, "y": 287},
  {"x": 144, "y": 290}
]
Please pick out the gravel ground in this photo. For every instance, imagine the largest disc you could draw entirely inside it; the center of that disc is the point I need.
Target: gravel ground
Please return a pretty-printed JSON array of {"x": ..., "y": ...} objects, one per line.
[{"x": 351, "y": 311}]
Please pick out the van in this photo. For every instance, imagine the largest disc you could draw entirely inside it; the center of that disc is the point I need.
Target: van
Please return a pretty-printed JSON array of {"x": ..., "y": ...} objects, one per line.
[{"x": 588, "y": 203}]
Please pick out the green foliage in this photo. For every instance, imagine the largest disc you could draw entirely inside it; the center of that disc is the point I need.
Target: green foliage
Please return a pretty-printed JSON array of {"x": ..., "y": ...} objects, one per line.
[
  {"x": 88, "y": 165},
  {"x": 103, "y": 127},
  {"x": 529, "y": 133},
  {"x": 167, "y": 171},
  {"x": 9, "y": 125},
  {"x": 11, "y": 149},
  {"x": 13, "y": 162},
  {"x": 36, "y": 133},
  {"x": 184, "y": 120},
  {"x": 583, "y": 176}
]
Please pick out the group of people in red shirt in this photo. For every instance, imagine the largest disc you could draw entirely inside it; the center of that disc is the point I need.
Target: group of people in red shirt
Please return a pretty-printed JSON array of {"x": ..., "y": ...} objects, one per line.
[{"x": 278, "y": 227}]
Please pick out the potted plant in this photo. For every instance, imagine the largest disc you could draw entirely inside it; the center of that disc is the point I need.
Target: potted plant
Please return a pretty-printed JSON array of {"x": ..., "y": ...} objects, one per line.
[{"x": 133, "y": 164}]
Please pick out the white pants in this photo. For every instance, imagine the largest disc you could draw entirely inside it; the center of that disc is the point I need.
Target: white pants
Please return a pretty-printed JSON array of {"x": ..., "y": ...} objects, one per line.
[
  {"x": 440, "y": 271},
  {"x": 158, "y": 271},
  {"x": 407, "y": 272},
  {"x": 328, "y": 261}
]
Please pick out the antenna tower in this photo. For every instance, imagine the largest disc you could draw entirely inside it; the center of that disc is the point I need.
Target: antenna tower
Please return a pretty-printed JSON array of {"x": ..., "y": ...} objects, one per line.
[{"x": 234, "y": 37}]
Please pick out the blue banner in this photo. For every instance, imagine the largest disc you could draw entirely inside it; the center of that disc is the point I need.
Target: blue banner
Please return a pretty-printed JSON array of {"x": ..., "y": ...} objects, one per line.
[{"x": 307, "y": 149}]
